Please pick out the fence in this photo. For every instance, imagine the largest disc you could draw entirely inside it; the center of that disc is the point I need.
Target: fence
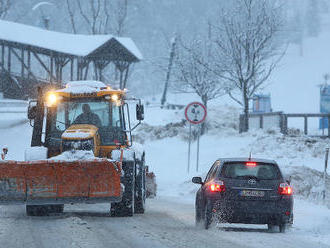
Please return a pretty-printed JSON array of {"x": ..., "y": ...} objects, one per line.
[{"x": 279, "y": 120}]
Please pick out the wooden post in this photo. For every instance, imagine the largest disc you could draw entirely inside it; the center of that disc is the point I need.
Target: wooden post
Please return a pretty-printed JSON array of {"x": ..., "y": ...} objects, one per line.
[
  {"x": 29, "y": 62},
  {"x": 305, "y": 125},
  {"x": 3, "y": 56},
  {"x": 329, "y": 126},
  {"x": 261, "y": 121},
  {"x": 100, "y": 74},
  {"x": 51, "y": 67},
  {"x": 60, "y": 75},
  {"x": 9, "y": 60},
  {"x": 22, "y": 63},
  {"x": 86, "y": 71},
  {"x": 71, "y": 70},
  {"x": 121, "y": 85},
  {"x": 126, "y": 76},
  {"x": 78, "y": 68},
  {"x": 285, "y": 124}
]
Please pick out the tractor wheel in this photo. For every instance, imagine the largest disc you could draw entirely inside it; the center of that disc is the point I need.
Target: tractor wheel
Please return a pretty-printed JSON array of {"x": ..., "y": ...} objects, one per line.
[
  {"x": 126, "y": 206},
  {"x": 140, "y": 191},
  {"x": 43, "y": 210}
]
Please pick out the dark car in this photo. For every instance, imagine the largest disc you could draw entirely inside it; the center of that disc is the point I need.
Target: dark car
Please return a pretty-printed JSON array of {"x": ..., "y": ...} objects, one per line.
[{"x": 243, "y": 190}]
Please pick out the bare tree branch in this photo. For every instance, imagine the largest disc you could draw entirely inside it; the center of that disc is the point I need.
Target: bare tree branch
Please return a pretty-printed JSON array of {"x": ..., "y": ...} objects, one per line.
[
  {"x": 5, "y": 5},
  {"x": 247, "y": 46},
  {"x": 71, "y": 15}
]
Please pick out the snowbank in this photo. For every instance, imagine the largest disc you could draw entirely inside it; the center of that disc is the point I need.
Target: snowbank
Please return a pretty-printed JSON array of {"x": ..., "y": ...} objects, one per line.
[
  {"x": 135, "y": 151},
  {"x": 35, "y": 153}
]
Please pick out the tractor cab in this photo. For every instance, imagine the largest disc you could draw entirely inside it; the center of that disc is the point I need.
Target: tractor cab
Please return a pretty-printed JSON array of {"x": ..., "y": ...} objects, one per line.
[{"x": 86, "y": 116}]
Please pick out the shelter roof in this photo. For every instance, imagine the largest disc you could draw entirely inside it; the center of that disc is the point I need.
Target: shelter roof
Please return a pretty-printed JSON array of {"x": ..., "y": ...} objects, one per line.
[{"x": 50, "y": 42}]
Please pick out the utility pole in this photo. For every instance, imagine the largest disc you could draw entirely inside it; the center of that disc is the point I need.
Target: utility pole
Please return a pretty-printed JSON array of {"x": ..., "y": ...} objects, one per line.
[{"x": 169, "y": 68}]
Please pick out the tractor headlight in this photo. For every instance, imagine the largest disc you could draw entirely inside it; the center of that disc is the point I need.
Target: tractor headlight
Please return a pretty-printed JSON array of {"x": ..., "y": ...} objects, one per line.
[
  {"x": 51, "y": 99},
  {"x": 114, "y": 97}
]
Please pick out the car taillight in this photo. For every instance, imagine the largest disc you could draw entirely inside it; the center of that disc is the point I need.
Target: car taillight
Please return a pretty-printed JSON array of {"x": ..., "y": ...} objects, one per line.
[
  {"x": 218, "y": 186},
  {"x": 285, "y": 189}
]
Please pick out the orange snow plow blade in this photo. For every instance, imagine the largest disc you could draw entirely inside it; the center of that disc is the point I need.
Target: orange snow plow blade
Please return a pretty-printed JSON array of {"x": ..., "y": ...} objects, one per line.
[{"x": 47, "y": 182}]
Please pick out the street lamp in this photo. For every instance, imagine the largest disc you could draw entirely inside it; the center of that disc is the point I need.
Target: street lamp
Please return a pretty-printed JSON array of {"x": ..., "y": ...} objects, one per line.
[{"x": 45, "y": 19}]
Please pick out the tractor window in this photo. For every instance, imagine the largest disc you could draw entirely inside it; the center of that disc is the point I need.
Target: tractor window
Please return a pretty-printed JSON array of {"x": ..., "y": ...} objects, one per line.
[
  {"x": 97, "y": 112},
  {"x": 115, "y": 116}
]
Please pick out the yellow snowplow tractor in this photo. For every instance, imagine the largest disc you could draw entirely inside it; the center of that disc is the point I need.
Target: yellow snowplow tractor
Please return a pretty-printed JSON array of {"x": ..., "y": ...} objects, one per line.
[{"x": 85, "y": 129}]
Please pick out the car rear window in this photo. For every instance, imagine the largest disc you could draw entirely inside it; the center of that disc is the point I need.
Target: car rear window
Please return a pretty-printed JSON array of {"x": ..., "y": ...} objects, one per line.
[{"x": 241, "y": 170}]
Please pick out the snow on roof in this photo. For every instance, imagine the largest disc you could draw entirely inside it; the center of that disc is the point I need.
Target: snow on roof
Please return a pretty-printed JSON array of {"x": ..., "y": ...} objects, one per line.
[
  {"x": 73, "y": 44},
  {"x": 130, "y": 45},
  {"x": 90, "y": 83},
  {"x": 82, "y": 87}
]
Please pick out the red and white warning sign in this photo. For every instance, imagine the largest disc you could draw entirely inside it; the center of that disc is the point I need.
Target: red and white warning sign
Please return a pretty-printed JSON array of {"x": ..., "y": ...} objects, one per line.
[{"x": 195, "y": 112}]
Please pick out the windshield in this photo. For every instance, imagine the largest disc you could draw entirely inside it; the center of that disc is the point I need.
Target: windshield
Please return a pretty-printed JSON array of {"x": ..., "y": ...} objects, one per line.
[
  {"x": 100, "y": 113},
  {"x": 242, "y": 171}
]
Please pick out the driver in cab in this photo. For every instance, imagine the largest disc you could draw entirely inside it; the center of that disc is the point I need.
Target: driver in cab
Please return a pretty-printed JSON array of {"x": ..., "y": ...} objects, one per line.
[{"x": 88, "y": 117}]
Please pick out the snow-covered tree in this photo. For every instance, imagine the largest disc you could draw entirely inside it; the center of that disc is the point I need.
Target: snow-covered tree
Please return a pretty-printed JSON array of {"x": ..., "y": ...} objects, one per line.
[
  {"x": 193, "y": 71},
  {"x": 247, "y": 47}
]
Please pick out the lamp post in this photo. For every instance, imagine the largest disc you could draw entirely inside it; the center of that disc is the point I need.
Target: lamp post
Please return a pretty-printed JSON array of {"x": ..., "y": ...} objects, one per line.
[{"x": 45, "y": 18}]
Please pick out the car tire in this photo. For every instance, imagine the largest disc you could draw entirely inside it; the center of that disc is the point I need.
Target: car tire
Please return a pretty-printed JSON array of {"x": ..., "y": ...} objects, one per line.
[
  {"x": 270, "y": 227},
  {"x": 198, "y": 214},
  {"x": 207, "y": 218},
  {"x": 282, "y": 228}
]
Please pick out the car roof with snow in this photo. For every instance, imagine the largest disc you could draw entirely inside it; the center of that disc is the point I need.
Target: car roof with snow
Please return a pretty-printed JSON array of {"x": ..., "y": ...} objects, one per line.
[{"x": 258, "y": 160}]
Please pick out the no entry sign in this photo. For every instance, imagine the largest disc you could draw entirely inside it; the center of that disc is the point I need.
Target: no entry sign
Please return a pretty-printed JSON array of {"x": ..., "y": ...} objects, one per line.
[{"x": 195, "y": 112}]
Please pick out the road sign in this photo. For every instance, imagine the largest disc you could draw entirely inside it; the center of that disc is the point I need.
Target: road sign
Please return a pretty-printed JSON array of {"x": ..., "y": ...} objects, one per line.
[{"x": 195, "y": 112}]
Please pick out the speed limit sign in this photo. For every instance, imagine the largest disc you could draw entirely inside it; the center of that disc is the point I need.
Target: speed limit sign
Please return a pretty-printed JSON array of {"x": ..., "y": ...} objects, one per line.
[{"x": 195, "y": 112}]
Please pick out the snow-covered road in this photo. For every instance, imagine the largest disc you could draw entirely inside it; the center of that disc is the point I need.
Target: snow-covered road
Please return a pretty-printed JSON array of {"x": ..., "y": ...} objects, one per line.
[
  {"x": 168, "y": 222},
  {"x": 169, "y": 219}
]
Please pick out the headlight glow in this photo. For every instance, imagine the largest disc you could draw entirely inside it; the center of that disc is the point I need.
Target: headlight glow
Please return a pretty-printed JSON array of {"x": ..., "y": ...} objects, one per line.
[
  {"x": 51, "y": 99},
  {"x": 114, "y": 97}
]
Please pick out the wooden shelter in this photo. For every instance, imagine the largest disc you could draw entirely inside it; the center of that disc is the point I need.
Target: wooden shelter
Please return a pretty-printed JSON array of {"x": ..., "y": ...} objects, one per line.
[{"x": 31, "y": 56}]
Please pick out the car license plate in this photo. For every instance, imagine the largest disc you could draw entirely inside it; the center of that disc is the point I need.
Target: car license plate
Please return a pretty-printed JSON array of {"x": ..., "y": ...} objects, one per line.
[{"x": 253, "y": 193}]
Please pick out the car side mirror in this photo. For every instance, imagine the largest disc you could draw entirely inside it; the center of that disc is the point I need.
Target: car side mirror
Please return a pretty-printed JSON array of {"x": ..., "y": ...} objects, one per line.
[
  {"x": 139, "y": 112},
  {"x": 32, "y": 112},
  {"x": 197, "y": 180}
]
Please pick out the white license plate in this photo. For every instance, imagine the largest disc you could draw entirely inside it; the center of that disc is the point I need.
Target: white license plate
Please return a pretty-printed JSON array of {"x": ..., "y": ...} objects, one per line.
[{"x": 253, "y": 193}]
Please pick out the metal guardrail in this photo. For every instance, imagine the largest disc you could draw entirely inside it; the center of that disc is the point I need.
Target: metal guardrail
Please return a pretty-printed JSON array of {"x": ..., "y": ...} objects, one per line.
[
  {"x": 13, "y": 112},
  {"x": 283, "y": 120}
]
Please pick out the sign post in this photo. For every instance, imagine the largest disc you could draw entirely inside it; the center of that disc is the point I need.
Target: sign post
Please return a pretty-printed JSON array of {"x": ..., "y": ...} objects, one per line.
[
  {"x": 325, "y": 173},
  {"x": 195, "y": 113}
]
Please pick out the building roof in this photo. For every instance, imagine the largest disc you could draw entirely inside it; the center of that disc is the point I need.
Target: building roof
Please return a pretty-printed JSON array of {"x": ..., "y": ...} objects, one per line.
[{"x": 47, "y": 42}]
